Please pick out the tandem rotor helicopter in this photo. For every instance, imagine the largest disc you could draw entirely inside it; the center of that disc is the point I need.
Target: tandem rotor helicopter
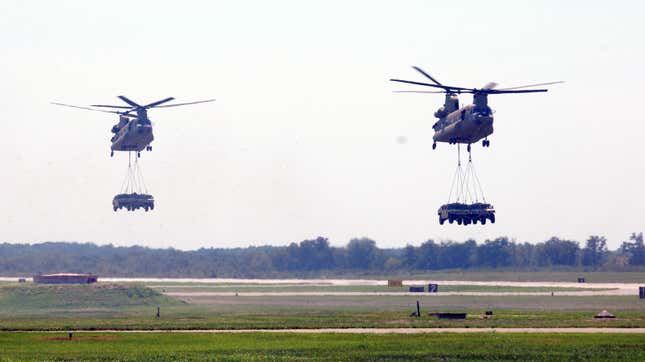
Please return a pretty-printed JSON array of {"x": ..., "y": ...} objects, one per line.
[
  {"x": 133, "y": 132},
  {"x": 472, "y": 122}
]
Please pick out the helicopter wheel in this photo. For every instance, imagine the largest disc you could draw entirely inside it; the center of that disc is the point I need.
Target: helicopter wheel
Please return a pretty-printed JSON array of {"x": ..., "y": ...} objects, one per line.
[
  {"x": 111, "y": 153},
  {"x": 468, "y": 148},
  {"x": 138, "y": 154},
  {"x": 434, "y": 145}
]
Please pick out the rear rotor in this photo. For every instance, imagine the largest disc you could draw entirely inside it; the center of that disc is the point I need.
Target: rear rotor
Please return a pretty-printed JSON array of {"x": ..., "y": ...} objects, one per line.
[{"x": 487, "y": 89}]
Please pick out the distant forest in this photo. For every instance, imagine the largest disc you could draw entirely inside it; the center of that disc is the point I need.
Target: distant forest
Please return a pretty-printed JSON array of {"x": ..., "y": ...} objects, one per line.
[{"x": 316, "y": 257}]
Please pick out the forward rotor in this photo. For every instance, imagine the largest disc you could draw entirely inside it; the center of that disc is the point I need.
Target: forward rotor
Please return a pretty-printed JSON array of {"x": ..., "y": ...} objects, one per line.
[
  {"x": 132, "y": 106},
  {"x": 96, "y": 110}
]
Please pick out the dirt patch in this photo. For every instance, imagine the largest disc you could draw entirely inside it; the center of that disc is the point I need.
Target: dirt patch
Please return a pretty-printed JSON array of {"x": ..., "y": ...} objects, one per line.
[{"x": 78, "y": 338}]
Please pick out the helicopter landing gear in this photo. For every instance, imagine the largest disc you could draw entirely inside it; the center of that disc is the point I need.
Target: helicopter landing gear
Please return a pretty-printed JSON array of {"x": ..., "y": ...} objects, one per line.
[
  {"x": 148, "y": 148},
  {"x": 468, "y": 148},
  {"x": 485, "y": 143},
  {"x": 112, "y": 153},
  {"x": 434, "y": 145},
  {"x": 138, "y": 154}
]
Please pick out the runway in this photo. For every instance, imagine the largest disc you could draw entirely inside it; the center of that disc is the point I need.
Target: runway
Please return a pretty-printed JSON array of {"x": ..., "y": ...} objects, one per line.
[{"x": 380, "y": 294}]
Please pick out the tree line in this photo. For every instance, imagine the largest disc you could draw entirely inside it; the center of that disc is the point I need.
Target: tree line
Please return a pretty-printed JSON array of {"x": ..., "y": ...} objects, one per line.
[{"x": 317, "y": 257}]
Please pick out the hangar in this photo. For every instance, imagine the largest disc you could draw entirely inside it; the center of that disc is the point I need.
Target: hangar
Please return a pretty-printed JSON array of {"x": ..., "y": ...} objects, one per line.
[{"x": 65, "y": 278}]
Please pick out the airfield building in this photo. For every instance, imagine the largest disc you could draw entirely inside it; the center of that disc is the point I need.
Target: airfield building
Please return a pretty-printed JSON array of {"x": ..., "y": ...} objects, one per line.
[{"x": 65, "y": 278}]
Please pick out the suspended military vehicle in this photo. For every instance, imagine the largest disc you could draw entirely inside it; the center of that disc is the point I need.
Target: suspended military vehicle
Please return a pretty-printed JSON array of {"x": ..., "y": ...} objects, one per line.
[
  {"x": 133, "y": 132},
  {"x": 133, "y": 201},
  {"x": 466, "y": 202},
  {"x": 134, "y": 193},
  {"x": 470, "y": 123},
  {"x": 466, "y": 213}
]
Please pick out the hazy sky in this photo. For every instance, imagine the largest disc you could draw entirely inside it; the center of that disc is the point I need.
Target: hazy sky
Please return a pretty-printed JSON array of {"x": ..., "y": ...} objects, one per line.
[{"x": 302, "y": 140}]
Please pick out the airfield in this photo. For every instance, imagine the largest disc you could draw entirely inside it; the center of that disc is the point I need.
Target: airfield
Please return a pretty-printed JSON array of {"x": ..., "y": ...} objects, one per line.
[{"x": 324, "y": 319}]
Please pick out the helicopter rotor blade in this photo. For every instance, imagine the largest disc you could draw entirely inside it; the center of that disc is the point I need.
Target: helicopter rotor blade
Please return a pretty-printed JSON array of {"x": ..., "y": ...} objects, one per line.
[
  {"x": 446, "y": 87},
  {"x": 532, "y": 85},
  {"x": 187, "y": 103},
  {"x": 426, "y": 75},
  {"x": 126, "y": 100},
  {"x": 503, "y": 91},
  {"x": 86, "y": 108},
  {"x": 107, "y": 106},
  {"x": 402, "y": 91},
  {"x": 154, "y": 104}
]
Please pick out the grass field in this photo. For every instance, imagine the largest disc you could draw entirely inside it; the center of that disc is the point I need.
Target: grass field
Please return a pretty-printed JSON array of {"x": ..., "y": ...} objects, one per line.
[
  {"x": 131, "y": 306},
  {"x": 293, "y": 347},
  {"x": 252, "y": 313},
  {"x": 110, "y": 306}
]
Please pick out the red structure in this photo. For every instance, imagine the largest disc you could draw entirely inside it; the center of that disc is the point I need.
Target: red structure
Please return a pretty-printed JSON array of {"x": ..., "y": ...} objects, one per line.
[{"x": 66, "y": 278}]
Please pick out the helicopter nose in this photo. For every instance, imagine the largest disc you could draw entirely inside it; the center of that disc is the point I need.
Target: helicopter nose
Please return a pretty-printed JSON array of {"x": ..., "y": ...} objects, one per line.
[{"x": 484, "y": 120}]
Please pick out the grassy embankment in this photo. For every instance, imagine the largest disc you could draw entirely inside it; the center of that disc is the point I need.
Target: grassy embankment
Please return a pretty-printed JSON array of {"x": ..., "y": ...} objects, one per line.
[
  {"x": 17, "y": 297},
  {"x": 259, "y": 346}
]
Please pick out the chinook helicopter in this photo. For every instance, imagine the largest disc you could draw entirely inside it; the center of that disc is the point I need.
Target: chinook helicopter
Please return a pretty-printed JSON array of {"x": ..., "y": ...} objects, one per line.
[
  {"x": 472, "y": 122},
  {"x": 133, "y": 132}
]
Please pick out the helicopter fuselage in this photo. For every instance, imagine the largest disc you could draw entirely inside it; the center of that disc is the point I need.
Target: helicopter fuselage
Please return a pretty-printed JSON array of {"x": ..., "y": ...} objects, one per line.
[
  {"x": 465, "y": 125},
  {"x": 132, "y": 134}
]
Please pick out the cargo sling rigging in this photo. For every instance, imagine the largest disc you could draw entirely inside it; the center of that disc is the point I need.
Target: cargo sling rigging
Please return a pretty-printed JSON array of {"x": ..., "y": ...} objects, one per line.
[
  {"x": 133, "y": 182},
  {"x": 466, "y": 202},
  {"x": 466, "y": 188},
  {"x": 134, "y": 193}
]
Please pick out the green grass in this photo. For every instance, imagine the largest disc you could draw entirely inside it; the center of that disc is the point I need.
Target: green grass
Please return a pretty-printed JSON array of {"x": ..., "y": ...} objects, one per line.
[
  {"x": 307, "y": 317},
  {"x": 294, "y": 347}
]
